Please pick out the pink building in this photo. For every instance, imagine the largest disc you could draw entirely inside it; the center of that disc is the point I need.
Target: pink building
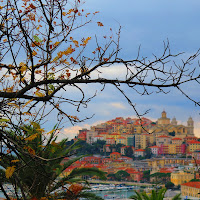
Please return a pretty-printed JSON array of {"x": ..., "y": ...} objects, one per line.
[
  {"x": 110, "y": 140},
  {"x": 155, "y": 150}
]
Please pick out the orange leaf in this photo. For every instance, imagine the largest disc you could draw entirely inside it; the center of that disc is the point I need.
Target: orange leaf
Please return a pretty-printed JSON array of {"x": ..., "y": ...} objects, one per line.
[
  {"x": 39, "y": 94},
  {"x": 99, "y": 24},
  {"x": 86, "y": 41},
  {"x": 34, "y": 53},
  {"x": 10, "y": 171},
  {"x": 14, "y": 161},
  {"x": 106, "y": 59},
  {"x": 31, "y": 137}
]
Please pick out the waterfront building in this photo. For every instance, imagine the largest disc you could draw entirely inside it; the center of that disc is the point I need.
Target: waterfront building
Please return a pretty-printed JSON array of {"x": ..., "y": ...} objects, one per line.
[
  {"x": 181, "y": 177},
  {"x": 190, "y": 189}
]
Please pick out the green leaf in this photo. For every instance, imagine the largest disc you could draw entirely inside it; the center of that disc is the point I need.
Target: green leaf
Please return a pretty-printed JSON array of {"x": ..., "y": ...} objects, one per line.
[{"x": 37, "y": 39}]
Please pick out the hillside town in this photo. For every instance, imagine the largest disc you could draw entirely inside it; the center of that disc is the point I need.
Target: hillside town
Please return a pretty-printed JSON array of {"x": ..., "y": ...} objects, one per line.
[{"x": 140, "y": 150}]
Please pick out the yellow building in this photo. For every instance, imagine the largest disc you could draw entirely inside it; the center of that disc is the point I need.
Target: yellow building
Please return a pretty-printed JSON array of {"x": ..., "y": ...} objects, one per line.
[
  {"x": 174, "y": 148},
  {"x": 161, "y": 162},
  {"x": 140, "y": 141},
  {"x": 114, "y": 135},
  {"x": 193, "y": 145},
  {"x": 190, "y": 189},
  {"x": 115, "y": 155},
  {"x": 121, "y": 140},
  {"x": 181, "y": 177},
  {"x": 177, "y": 140}
]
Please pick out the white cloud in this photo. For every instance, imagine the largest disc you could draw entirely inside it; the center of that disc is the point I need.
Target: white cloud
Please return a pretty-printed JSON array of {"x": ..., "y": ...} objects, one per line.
[
  {"x": 72, "y": 131},
  {"x": 117, "y": 105}
]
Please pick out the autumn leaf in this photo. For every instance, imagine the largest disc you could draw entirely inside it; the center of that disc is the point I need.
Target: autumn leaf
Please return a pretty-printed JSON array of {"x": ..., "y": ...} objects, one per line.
[
  {"x": 27, "y": 103},
  {"x": 56, "y": 44},
  {"x": 64, "y": 13},
  {"x": 106, "y": 59},
  {"x": 34, "y": 53},
  {"x": 39, "y": 94},
  {"x": 23, "y": 67},
  {"x": 32, "y": 6},
  {"x": 99, "y": 24},
  {"x": 69, "y": 51},
  {"x": 86, "y": 41},
  {"x": 31, "y": 137},
  {"x": 30, "y": 150},
  {"x": 50, "y": 132},
  {"x": 10, "y": 171},
  {"x": 14, "y": 161}
]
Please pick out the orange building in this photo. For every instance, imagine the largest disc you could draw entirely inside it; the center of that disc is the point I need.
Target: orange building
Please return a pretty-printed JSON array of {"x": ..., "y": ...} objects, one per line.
[{"x": 115, "y": 155}]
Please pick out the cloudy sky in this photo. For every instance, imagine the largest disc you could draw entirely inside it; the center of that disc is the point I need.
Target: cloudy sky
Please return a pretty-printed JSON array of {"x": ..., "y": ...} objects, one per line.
[{"x": 145, "y": 23}]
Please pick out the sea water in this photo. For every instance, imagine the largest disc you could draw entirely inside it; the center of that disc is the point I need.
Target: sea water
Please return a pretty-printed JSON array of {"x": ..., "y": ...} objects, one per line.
[{"x": 115, "y": 194}]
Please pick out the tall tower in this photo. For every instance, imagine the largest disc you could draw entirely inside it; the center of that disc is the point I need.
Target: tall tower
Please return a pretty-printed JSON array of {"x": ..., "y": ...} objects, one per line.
[
  {"x": 190, "y": 126},
  {"x": 163, "y": 120},
  {"x": 174, "y": 122}
]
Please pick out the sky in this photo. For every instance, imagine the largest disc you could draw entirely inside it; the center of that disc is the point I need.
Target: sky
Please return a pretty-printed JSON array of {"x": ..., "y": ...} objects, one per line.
[{"x": 145, "y": 23}]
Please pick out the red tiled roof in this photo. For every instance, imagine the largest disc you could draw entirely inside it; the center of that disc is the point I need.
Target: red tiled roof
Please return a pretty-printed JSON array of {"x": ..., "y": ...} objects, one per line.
[
  {"x": 162, "y": 136},
  {"x": 140, "y": 150},
  {"x": 117, "y": 153},
  {"x": 176, "y": 139},
  {"x": 193, "y": 142},
  {"x": 103, "y": 133},
  {"x": 121, "y": 138},
  {"x": 154, "y": 147},
  {"x": 193, "y": 184},
  {"x": 188, "y": 137}
]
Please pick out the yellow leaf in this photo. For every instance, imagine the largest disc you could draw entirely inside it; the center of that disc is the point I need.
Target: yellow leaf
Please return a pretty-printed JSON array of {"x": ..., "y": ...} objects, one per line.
[
  {"x": 27, "y": 103},
  {"x": 13, "y": 104},
  {"x": 35, "y": 125},
  {"x": 86, "y": 41},
  {"x": 41, "y": 130},
  {"x": 5, "y": 40},
  {"x": 10, "y": 171},
  {"x": 23, "y": 67},
  {"x": 76, "y": 43},
  {"x": 56, "y": 44},
  {"x": 39, "y": 94},
  {"x": 14, "y": 161},
  {"x": 31, "y": 137},
  {"x": 69, "y": 51},
  {"x": 34, "y": 53},
  {"x": 50, "y": 132},
  {"x": 64, "y": 13}
]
